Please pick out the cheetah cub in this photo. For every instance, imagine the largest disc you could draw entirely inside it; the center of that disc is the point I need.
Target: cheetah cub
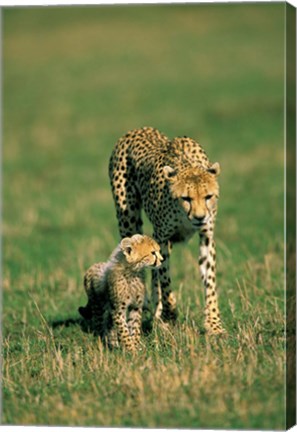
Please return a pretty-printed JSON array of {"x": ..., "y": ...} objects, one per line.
[{"x": 116, "y": 291}]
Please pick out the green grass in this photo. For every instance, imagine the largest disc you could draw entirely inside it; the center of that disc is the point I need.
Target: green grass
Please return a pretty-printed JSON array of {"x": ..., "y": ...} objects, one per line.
[{"x": 76, "y": 79}]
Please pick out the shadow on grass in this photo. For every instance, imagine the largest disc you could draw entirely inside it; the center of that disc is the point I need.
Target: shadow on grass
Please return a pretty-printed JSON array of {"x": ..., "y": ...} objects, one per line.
[{"x": 87, "y": 326}]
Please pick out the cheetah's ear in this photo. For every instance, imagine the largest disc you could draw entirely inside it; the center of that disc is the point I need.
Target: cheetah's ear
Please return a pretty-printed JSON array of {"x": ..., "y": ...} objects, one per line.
[
  {"x": 215, "y": 169},
  {"x": 169, "y": 172},
  {"x": 136, "y": 238},
  {"x": 126, "y": 246}
]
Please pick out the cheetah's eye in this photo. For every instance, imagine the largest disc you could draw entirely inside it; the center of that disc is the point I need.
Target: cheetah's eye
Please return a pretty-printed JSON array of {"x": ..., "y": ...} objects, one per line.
[
  {"x": 208, "y": 197},
  {"x": 186, "y": 198}
]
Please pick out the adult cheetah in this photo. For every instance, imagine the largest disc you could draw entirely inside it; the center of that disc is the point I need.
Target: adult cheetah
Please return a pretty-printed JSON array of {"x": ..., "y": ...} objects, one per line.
[{"x": 177, "y": 186}]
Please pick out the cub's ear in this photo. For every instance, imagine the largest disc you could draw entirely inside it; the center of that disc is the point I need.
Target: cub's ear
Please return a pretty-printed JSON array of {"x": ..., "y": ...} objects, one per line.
[
  {"x": 215, "y": 169},
  {"x": 126, "y": 246},
  {"x": 169, "y": 173},
  {"x": 136, "y": 238}
]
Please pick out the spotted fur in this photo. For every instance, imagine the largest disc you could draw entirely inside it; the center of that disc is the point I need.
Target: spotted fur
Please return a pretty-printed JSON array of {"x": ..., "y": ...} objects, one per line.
[
  {"x": 116, "y": 291},
  {"x": 176, "y": 185}
]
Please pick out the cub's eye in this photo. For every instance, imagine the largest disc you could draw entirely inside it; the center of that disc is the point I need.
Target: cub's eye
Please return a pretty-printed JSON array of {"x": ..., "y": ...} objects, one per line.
[
  {"x": 186, "y": 198},
  {"x": 208, "y": 197}
]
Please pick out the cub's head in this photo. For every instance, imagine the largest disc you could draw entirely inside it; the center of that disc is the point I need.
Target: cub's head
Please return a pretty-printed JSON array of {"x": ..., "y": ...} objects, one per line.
[
  {"x": 197, "y": 191},
  {"x": 141, "y": 251}
]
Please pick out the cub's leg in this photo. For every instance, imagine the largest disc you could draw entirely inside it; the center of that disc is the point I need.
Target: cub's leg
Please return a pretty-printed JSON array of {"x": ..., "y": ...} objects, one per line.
[
  {"x": 98, "y": 314},
  {"x": 122, "y": 329},
  {"x": 164, "y": 300},
  {"x": 207, "y": 263},
  {"x": 134, "y": 324},
  {"x": 119, "y": 300},
  {"x": 95, "y": 288},
  {"x": 110, "y": 334}
]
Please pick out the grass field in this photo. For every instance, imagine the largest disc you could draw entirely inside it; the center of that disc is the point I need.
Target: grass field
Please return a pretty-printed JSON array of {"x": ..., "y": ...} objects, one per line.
[{"x": 75, "y": 80}]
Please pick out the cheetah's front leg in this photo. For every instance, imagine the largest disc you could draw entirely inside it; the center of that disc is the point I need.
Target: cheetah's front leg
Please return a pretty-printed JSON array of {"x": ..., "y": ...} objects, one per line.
[
  {"x": 164, "y": 300},
  {"x": 207, "y": 263},
  {"x": 156, "y": 294}
]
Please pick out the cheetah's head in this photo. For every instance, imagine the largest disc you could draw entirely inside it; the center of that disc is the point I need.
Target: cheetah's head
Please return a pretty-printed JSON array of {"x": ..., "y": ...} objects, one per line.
[
  {"x": 141, "y": 251},
  {"x": 197, "y": 191}
]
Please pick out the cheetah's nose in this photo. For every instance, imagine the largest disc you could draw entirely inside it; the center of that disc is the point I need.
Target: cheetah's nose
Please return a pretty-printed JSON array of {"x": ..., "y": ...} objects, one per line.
[{"x": 198, "y": 219}]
